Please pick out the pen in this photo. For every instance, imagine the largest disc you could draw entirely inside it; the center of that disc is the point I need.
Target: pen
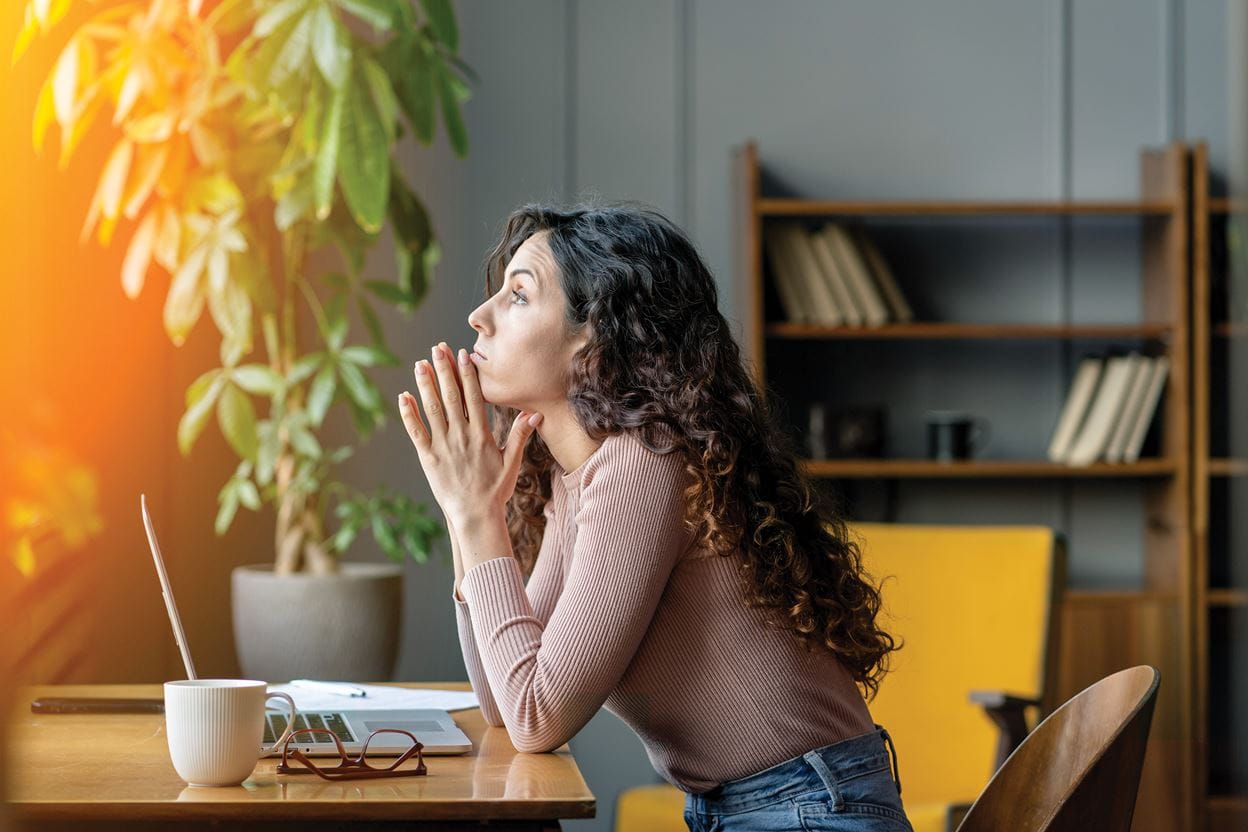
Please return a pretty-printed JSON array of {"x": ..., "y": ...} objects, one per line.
[{"x": 329, "y": 687}]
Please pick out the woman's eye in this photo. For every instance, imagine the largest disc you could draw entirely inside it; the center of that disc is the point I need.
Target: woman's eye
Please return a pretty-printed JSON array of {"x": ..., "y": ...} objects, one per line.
[{"x": 521, "y": 298}]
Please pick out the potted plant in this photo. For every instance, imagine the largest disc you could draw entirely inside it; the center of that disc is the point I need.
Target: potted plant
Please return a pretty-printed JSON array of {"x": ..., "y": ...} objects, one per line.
[{"x": 247, "y": 136}]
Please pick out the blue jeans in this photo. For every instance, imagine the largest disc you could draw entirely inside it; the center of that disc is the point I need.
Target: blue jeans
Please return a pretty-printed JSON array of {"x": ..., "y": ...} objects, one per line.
[{"x": 847, "y": 786}]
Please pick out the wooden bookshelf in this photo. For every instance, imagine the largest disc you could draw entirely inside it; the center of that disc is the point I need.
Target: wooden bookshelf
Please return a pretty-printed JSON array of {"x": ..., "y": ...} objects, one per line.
[
  {"x": 1103, "y": 630},
  {"x": 942, "y": 331},
  {"x": 1018, "y": 469},
  {"x": 825, "y": 208},
  {"x": 1212, "y": 468}
]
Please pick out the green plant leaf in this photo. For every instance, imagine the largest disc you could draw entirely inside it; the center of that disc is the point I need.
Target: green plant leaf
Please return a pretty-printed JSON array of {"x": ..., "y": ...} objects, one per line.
[
  {"x": 228, "y": 498},
  {"x": 266, "y": 451},
  {"x": 302, "y": 440},
  {"x": 412, "y": 235},
  {"x": 237, "y": 418},
  {"x": 383, "y": 534},
  {"x": 257, "y": 378},
  {"x": 406, "y": 61},
  {"x": 358, "y": 386},
  {"x": 442, "y": 22},
  {"x": 327, "y": 155},
  {"x": 364, "y": 158},
  {"x": 248, "y": 495},
  {"x": 367, "y": 356},
  {"x": 384, "y": 100},
  {"x": 321, "y": 394},
  {"x": 338, "y": 323},
  {"x": 185, "y": 300},
  {"x": 292, "y": 58},
  {"x": 377, "y": 13},
  {"x": 449, "y": 96},
  {"x": 294, "y": 205},
  {"x": 388, "y": 292},
  {"x": 277, "y": 14},
  {"x": 200, "y": 398},
  {"x": 330, "y": 48},
  {"x": 372, "y": 324},
  {"x": 304, "y": 367}
]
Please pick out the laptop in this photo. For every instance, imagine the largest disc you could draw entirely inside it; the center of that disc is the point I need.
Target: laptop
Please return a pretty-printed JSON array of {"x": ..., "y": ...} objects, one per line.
[{"x": 432, "y": 727}]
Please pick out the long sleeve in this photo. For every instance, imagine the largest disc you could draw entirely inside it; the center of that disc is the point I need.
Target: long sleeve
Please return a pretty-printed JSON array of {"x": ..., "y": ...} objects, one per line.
[
  {"x": 542, "y": 587},
  {"x": 472, "y": 662},
  {"x": 549, "y": 679}
]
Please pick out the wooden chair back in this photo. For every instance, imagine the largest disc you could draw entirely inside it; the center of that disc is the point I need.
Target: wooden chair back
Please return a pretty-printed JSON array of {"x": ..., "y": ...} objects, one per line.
[{"x": 1080, "y": 768}]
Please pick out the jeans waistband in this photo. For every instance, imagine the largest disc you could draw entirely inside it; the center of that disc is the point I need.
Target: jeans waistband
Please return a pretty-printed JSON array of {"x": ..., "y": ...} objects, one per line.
[{"x": 839, "y": 761}]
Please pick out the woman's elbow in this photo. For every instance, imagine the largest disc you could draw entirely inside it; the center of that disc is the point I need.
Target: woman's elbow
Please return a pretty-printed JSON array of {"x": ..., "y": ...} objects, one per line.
[{"x": 534, "y": 744}]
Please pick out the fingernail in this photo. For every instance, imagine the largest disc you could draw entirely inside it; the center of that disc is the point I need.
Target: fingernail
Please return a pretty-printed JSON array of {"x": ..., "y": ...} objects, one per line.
[
  {"x": 421, "y": 369},
  {"x": 436, "y": 353},
  {"x": 463, "y": 357},
  {"x": 535, "y": 419}
]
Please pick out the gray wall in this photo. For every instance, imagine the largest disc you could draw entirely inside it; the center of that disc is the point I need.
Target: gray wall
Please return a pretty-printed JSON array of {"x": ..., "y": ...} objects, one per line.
[{"x": 884, "y": 99}]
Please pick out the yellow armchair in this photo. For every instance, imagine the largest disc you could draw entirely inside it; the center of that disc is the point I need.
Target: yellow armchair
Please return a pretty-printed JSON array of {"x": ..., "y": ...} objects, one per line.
[{"x": 975, "y": 607}]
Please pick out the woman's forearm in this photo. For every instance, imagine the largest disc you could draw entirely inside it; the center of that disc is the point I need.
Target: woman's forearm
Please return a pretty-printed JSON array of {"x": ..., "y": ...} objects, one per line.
[{"x": 456, "y": 555}]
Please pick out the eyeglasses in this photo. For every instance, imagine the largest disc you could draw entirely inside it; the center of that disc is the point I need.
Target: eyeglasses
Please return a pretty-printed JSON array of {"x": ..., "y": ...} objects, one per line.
[{"x": 349, "y": 768}]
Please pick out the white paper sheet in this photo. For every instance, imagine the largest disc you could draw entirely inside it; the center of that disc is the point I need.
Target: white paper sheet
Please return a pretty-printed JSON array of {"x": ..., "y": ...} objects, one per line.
[{"x": 378, "y": 697}]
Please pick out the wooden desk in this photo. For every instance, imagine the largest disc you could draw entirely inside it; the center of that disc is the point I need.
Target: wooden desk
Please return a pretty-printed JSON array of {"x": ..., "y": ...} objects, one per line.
[{"x": 103, "y": 771}]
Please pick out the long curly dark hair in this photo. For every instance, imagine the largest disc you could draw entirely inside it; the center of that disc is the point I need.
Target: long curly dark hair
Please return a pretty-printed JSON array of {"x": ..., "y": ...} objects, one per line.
[{"x": 661, "y": 362}]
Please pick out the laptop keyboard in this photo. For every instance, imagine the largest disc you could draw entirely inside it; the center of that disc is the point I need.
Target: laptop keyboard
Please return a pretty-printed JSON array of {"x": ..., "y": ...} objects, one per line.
[{"x": 275, "y": 724}]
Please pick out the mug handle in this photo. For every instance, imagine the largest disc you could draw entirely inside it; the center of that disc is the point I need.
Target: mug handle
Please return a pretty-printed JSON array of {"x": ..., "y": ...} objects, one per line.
[
  {"x": 290, "y": 722},
  {"x": 980, "y": 435}
]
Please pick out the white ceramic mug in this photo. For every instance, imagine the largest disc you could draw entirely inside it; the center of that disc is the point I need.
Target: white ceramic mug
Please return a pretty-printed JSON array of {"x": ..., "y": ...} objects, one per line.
[{"x": 215, "y": 728}]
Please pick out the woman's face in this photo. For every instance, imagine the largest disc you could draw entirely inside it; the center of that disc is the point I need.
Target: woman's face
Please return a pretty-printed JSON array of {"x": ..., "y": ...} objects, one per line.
[{"x": 524, "y": 348}]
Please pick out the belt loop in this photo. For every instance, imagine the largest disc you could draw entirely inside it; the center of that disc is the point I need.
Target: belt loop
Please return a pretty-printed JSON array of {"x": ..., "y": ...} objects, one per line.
[
  {"x": 820, "y": 765},
  {"x": 893, "y": 751}
]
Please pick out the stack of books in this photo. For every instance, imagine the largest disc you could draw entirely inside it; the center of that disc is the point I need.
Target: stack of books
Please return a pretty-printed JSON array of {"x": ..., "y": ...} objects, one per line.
[
  {"x": 833, "y": 276},
  {"x": 1108, "y": 409}
]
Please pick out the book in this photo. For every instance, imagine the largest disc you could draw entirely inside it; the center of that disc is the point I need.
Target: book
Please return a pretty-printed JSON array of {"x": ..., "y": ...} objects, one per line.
[
  {"x": 1093, "y": 435},
  {"x": 883, "y": 276},
  {"x": 792, "y": 302},
  {"x": 853, "y": 272},
  {"x": 827, "y": 311},
  {"x": 835, "y": 280},
  {"x": 1130, "y": 409},
  {"x": 1148, "y": 407},
  {"x": 1075, "y": 408}
]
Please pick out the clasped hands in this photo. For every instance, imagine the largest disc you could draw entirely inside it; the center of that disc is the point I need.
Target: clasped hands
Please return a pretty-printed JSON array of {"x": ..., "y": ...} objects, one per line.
[{"x": 470, "y": 476}]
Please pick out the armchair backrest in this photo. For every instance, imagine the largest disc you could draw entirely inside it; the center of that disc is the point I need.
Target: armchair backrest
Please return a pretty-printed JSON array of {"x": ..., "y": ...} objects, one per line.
[{"x": 975, "y": 607}]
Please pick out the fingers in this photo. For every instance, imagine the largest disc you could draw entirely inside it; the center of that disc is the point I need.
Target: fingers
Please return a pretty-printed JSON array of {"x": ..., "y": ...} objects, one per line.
[
  {"x": 412, "y": 421},
  {"x": 431, "y": 400},
  {"x": 473, "y": 400},
  {"x": 521, "y": 429},
  {"x": 448, "y": 384}
]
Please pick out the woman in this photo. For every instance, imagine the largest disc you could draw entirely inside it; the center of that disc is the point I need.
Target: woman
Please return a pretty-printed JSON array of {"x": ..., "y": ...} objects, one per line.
[{"x": 680, "y": 569}]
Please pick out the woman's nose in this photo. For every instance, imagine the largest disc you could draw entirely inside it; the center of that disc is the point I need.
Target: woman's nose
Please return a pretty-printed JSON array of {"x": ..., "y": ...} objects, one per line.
[{"x": 476, "y": 319}]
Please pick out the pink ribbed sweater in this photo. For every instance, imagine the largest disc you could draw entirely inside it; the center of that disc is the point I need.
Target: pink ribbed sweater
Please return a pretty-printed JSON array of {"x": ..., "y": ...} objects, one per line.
[{"x": 621, "y": 611}]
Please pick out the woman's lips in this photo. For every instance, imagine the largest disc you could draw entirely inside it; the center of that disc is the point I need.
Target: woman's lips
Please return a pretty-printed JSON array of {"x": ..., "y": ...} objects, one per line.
[{"x": 478, "y": 355}]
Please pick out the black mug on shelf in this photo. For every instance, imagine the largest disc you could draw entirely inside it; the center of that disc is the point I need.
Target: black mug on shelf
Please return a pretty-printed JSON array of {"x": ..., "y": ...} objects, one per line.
[
  {"x": 844, "y": 432},
  {"x": 953, "y": 435}
]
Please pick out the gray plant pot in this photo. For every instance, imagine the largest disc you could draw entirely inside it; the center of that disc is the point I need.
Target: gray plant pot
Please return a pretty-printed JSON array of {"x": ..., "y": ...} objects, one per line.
[{"x": 343, "y": 626}]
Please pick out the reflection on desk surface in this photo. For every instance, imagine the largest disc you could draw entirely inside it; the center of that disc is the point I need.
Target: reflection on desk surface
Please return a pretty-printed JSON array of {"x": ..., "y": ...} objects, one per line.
[{"x": 119, "y": 765}]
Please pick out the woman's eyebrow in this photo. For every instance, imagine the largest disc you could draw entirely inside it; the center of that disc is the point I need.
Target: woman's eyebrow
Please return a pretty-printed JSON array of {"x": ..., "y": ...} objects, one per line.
[{"x": 536, "y": 279}]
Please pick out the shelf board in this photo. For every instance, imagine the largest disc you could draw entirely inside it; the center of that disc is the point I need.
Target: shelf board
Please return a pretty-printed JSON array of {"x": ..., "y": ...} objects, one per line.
[
  {"x": 1100, "y": 597},
  {"x": 938, "y": 330},
  {"x": 1225, "y": 205},
  {"x": 779, "y": 207},
  {"x": 1227, "y": 597},
  {"x": 1227, "y": 329},
  {"x": 1222, "y": 467},
  {"x": 982, "y": 468}
]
